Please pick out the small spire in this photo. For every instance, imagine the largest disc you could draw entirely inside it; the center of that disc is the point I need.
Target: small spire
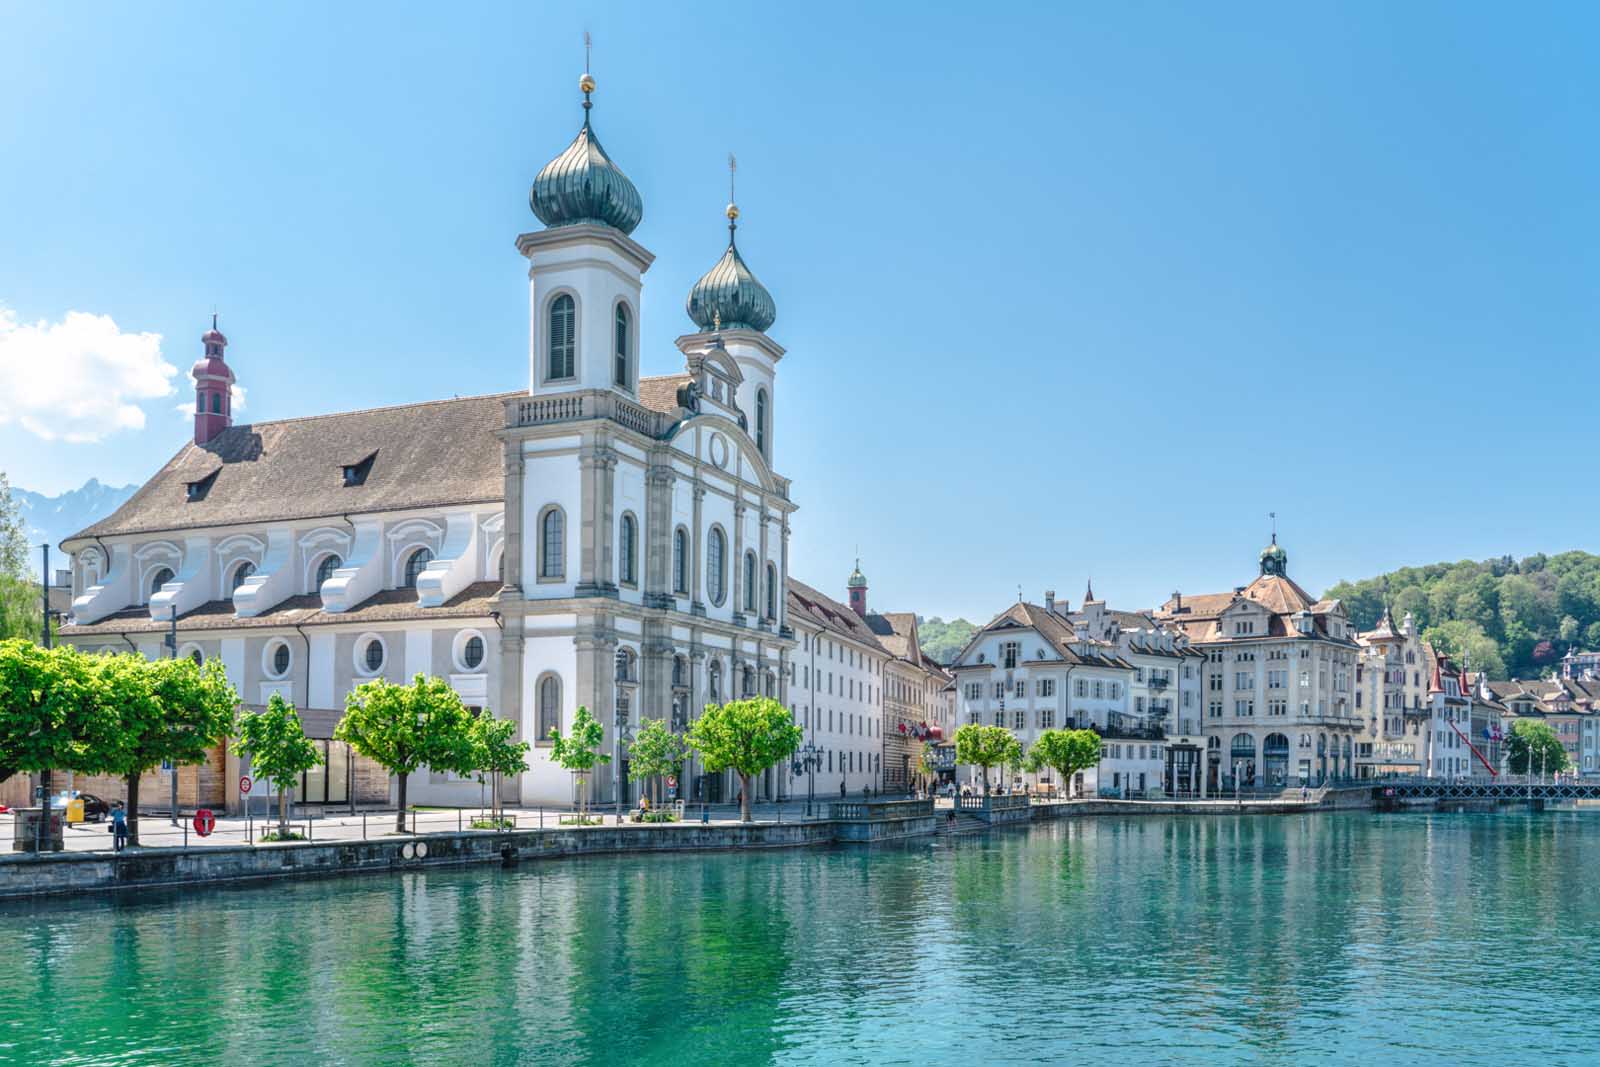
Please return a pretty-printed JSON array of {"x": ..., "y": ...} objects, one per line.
[
  {"x": 733, "y": 204},
  {"x": 213, "y": 318},
  {"x": 586, "y": 83},
  {"x": 1273, "y": 515},
  {"x": 1088, "y": 591}
]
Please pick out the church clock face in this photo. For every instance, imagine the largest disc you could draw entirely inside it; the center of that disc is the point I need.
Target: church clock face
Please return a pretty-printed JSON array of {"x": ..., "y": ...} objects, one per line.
[{"x": 719, "y": 450}]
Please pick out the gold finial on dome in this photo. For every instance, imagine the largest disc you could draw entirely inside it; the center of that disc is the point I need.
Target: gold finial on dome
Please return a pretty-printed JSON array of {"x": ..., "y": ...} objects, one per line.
[
  {"x": 733, "y": 212},
  {"x": 586, "y": 83}
]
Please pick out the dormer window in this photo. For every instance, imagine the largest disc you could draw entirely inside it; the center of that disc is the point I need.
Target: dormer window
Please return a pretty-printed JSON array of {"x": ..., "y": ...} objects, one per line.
[
  {"x": 356, "y": 473},
  {"x": 197, "y": 490}
]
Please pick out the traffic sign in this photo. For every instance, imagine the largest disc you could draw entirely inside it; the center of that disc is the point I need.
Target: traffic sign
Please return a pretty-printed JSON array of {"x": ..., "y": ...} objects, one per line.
[
  {"x": 245, "y": 783},
  {"x": 204, "y": 822},
  {"x": 166, "y": 765},
  {"x": 672, "y": 780}
]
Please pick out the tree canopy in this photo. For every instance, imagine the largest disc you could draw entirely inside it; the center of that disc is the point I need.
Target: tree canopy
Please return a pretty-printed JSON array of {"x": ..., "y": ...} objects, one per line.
[
  {"x": 746, "y": 735},
  {"x": 496, "y": 751},
  {"x": 579, "y": 751},
  {"x": 1064, "y": 751},
  {"x": 406, "y": 727},
  {"x": 21, "y": 598},
  {"x": 1533, "y": 748},
  {"x": 987, "y": 746},
  {"x": 1516, "y": 617},
  {"x": 655, "y": 752},
  {"x": 279, "y": 749}
]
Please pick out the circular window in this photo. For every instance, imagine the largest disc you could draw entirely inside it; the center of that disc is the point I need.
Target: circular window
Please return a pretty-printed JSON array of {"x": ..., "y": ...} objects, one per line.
[
  {"x": 199, "y": 660},
  {"x": 374, "y": 655},
  {"x": 719, "y": 450},
  {"x": 472, "y": 652},
  {"x": 280, "y": 660}
]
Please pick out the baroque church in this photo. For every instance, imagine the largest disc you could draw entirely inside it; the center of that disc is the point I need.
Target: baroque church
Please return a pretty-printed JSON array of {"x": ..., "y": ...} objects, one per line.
[{"x": 600, "y": 538}]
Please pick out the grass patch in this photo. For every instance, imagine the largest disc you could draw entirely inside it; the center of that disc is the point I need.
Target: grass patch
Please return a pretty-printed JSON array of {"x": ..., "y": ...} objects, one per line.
[
  {"x": 656, "y": 816},
  {"x": 493, "y": 824},
  {"x": 281, "y": 835},
  {"x": 580, "y": 820}
]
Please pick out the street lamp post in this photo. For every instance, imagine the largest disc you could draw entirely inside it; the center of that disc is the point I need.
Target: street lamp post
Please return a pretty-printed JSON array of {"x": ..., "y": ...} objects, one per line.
[{"x": 808, "y": 757}]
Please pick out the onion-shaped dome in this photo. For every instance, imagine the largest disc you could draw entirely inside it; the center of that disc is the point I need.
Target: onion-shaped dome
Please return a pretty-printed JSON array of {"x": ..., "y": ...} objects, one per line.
[
  {"x": 728, "y": 296},
  {"x": 582, "y": 184},
  {"x": 1274, "y": 560},
  {"x": 857, "y": 580}
]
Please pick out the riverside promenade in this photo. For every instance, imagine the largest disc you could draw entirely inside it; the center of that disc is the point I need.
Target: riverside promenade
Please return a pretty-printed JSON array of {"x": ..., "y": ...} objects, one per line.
[{"x": 368, "y": 841}]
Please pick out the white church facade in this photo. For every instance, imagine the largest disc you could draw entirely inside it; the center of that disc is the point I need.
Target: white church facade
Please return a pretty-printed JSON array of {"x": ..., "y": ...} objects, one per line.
[{"x": 600, "y": 538}]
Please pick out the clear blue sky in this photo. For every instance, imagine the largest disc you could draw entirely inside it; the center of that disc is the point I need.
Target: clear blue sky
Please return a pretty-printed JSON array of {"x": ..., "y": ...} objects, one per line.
[{"x": 1066, "y": 289}]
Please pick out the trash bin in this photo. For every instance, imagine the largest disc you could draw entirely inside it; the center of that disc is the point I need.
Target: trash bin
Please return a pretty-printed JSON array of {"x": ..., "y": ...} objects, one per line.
[{"x": 74, "y": 811}]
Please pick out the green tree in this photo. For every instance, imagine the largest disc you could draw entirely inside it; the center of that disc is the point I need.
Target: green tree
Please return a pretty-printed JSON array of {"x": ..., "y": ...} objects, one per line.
[
  {"x": 165, "y": 711},
  {"x": 1465, "y": 642},
  {"x": 496, "y": 751},
  {"x": 279, "y": 749},
  {"x": 1064, "y": 751},
  {"x": 987, "y": 746},
  {"x": 941, "y": 640},
  {"x": 747, "y": 735},
  {"x": 1533, "y": 748},
  {"x": 51, "y": 715},
  {"x": 655, "y": 752},
  {"x": 21, "y": 598},
  {"x": 406, "y": 727},
  {"x": 579, "y": 752}
]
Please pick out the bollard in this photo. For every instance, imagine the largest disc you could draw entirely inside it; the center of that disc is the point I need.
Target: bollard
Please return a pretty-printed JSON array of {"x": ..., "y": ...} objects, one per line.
[
  {"x": 363, "y": 824},
  {"x": 458, "y": 820},
  {"x": 186, "y": 835},
  {"x": 308, "y": 826}
]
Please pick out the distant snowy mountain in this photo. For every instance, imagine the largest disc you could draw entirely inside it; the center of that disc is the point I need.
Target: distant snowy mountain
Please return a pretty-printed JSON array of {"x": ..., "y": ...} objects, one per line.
[{"x": 50, "y": 518}]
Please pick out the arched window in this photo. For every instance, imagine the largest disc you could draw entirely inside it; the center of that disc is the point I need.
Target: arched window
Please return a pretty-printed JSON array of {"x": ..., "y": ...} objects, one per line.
[
  {"x": 620, "y": 372},
  {"x": 159, "y": 579},
  {"x": 680, "y": 561},
  {"x": 216, "y": 403},
  {"x": 629, "y": 552},
  {"x": 563, "y": 338},
  {"x": 750, "y": 582},
  {"x": 716, "y": 563},
  {"x": 330, "y": 563},
  {"x": 552, "y": 544},
  {"x": 761, "y": 422},
  {"x": 200, "y": 402},
  {"x": 415, "y": 565},
  {"x": 680, "y": 671},
  {"x": 549, "y": 706},
  {"x": 772, "y": 591},
  {"x": 198, "y": 657},
  {"x": 240, "y": 573}
]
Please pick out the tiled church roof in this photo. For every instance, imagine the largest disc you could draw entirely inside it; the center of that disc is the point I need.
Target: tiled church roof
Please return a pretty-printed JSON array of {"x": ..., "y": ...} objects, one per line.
[
  {"x": 818, "y": 609},
  {"x": 424, "y": 455}
]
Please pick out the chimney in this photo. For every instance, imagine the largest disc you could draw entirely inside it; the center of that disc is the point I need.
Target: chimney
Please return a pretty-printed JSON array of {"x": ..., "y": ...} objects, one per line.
[
  {"x": 1050, "y": 601},
  {"x": 213, "y": 387}
]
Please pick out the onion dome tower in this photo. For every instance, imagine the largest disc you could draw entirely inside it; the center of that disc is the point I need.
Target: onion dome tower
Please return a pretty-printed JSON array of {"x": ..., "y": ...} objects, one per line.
[
  {"x": 213, "y": 387},
  {"x": 857, "y": 584},
  {"x": 582, "y": 184},
  {"x": 1274, "y": 560},
  {"x": 585, "y": 271},
  {"x": 730, "y": 291}
]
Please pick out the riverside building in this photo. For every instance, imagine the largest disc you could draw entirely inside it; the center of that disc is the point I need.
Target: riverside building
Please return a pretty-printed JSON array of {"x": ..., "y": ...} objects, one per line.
[
  {"x": 596, "y": 537},
  {"x": 1278, "y": 681}
]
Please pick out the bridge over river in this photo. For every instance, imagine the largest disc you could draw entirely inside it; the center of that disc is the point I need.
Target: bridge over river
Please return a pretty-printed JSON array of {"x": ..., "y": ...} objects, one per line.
[{"x": 1507, "y": 789}]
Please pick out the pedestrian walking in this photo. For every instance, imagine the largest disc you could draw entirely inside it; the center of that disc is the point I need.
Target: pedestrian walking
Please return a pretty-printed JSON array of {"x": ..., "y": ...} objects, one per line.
[
  {"x": 841, "y": 789},
  {"x": 119, "y": 827}
]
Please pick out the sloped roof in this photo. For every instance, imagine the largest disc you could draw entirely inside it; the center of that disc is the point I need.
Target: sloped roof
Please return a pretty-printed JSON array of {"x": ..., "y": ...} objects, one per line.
[
  {"x": 894, "y": 631},
  {"x": 1199, "y": 615},
  {"x": 389, "y": 605},
  {"x": 811, "y": 606},
  {"x": 660, "y": 393},
  {"x": 437, "y": 453},
  {"x": 1055, "y": 631}
]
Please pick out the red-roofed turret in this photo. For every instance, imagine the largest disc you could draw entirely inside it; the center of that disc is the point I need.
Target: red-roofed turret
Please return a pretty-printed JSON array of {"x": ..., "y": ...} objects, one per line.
[{"x": 213, "y": 387}]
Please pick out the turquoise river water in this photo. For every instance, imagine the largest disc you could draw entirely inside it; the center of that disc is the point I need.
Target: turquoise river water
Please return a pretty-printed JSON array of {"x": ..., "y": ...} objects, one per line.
[{"x": 1341, "y": 939}]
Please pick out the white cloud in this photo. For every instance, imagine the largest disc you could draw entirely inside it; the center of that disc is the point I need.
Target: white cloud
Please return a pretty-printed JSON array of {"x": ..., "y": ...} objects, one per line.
[{"x": 79, "y": 379}]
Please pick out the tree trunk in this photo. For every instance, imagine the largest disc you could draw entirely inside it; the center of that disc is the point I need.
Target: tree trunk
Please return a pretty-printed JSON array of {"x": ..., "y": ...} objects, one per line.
[
  {"x": 133, "y": 809},
  {"x": 400, "y": 816},
  {"x": 985, "y": 780},
  {"x": 283, "y": 813},
  {"x": 744, "y": 798},
  {"x": 44, "y": 811}
]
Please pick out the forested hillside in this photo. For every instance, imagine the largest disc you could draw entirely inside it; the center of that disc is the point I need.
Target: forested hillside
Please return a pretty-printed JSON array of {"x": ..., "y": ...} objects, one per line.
[
  {"x": 942, "y": 640},
  {"x": 1516, "y": 618}
]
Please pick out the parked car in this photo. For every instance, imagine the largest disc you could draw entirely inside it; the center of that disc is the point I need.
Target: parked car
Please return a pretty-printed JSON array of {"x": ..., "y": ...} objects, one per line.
[
  {"x": 94, "y": 809},
  {"x": 4, "y": 810}
]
